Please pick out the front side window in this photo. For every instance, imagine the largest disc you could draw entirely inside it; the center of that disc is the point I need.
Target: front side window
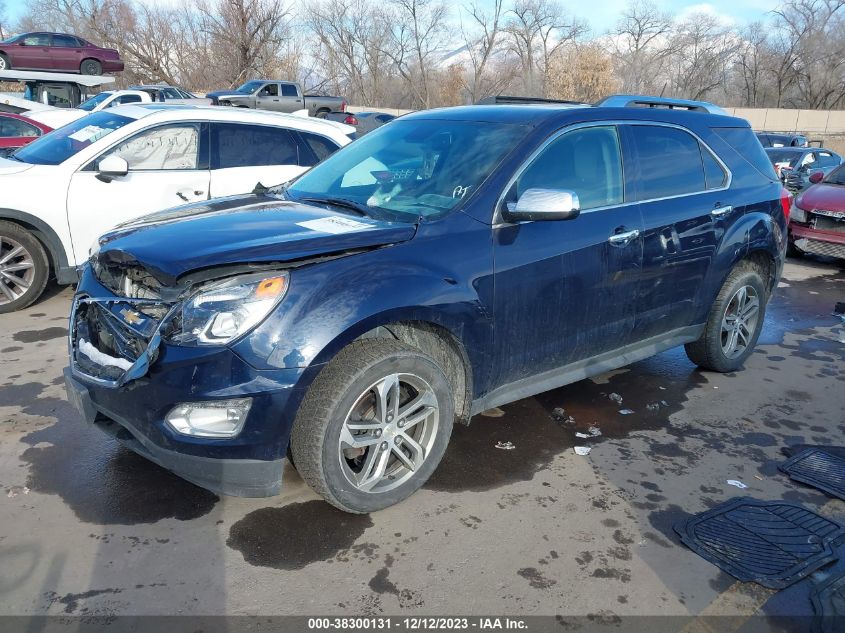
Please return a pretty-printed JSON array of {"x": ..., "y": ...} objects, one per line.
[
  {"x": 670, "y": 162},
  {"x": 237, "y": 145},
  {"x": 59, "y": 145},
  {"x": 415, "y": 167},
  {"x": 587, "y": 162},
  {"x": 14, "y": 128},
  {"x": 36, "y": 39},
  {"x": 270, "y": 90},
  {"x": 172, "y": 147}
]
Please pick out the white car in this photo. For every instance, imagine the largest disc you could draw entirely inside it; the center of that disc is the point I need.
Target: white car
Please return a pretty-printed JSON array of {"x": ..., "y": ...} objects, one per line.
[
  {"x": 57, "y": 117},
  {"x": 61, "y": 192}
]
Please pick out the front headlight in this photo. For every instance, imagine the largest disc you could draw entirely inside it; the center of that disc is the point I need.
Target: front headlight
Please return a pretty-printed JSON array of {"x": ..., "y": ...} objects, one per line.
[
  {"x": 797, "y": 213},
  {"x": 224, "y": 311}
]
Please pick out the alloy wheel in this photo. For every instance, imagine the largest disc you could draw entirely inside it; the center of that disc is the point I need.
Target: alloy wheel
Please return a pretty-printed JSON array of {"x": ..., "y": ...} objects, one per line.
[
  {"x": 388, "y": 433},
  {"x": 740, "y": 321},
  {"x": 17, "y": 270}
]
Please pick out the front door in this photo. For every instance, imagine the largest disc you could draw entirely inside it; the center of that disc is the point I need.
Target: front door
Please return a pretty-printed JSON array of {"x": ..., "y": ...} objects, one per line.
[
  {"x": 564, "y": 290},
  {"x": 686, "y": 210},
  {"x": 268, "y": 97},
  {"x": 33, "y": 51},
  {"x": 166, "y": 168}
]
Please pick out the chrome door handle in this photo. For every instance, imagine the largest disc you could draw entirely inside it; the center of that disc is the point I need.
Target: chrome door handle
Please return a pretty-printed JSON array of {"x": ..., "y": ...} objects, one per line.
[
  {"x": 621, "y": 239},
  {"x": 720, "y": 211},
  {"x": 182, "y": 195}
]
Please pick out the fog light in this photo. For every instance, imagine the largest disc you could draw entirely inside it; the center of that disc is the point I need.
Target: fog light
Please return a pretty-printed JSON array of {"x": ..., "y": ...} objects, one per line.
[{"x": 220, "y": 418}]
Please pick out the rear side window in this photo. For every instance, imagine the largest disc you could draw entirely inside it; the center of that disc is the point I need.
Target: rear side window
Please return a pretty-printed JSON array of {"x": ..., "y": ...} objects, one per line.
[
  {"x": 66, "y": 41},
  {"x": 714, "y": 175},
  {"x": 670, "y": 162},
  {"x": 13, "y": 128},
  {"x": 236, "y": 145},
  {"x": 743, "y": 141},
  {"x": 288, "y": 90},
  {"x": 321, "y": 147},
  {"x": 826, "y": 159}
]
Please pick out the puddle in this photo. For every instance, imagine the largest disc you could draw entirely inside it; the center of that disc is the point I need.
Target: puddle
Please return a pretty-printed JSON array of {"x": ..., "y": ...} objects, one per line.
[
  {"x": 296, "y": 535},
  {"x": 104, "y": 483},
  {"x": 34, "y": 336}
]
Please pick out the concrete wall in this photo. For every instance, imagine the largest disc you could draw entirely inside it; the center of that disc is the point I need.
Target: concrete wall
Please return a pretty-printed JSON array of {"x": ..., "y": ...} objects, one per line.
[{"x": 786, "y": 120}]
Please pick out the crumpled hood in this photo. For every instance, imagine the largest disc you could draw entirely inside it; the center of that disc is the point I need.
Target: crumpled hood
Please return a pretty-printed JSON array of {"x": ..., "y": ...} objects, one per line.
[
  {"x": 824, "y": 197},
  {"x": 241, "y": 230}
]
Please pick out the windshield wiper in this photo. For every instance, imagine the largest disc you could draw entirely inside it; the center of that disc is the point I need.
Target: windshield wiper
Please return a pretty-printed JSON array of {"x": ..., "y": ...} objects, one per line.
[{"x": 358, "y": 208}]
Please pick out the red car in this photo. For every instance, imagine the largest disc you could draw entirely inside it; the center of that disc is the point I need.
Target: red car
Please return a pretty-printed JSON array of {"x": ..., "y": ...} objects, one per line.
[
  {"x": 16, "y": 131},
  {"x": 817, "y": 219},
  {"x": 58, "y": 52}
]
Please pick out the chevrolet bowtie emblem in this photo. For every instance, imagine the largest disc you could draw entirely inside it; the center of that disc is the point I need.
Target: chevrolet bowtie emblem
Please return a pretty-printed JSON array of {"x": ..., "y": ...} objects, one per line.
[{"x": 132, "y": 318}]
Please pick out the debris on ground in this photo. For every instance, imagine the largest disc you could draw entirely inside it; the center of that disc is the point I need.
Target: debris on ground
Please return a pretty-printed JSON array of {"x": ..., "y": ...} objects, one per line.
[
  {"x": 581, "y": 435},
  {"x": 14, "y": 491},
  {"x": 495, "y": 412},
  {"x": 737, "y": 483},
  {"x": 625, "y": 411},
  {"x": 582, "y": 450},
  {"x": 594, "y": 431},
  {"x": 654, "y": 406},
  {"x": 559, "y": 414},
  {"x": 616, "y": 398},
  {"x": 505, "y": 446}
]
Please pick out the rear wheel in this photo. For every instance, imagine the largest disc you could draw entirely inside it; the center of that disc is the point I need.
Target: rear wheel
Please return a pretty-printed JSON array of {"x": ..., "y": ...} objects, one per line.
[
  {"x": 4, "y": 62},
  {"x": 323, "y": 113},
  {"x": 91, "y": 67},
  {"x": 373, "y": 426},
  {"x": 734, "y": 322},
  {"x": 24, "y": 267}
]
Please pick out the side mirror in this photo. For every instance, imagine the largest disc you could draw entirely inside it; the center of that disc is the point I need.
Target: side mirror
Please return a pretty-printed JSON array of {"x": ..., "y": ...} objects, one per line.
[
  {"x": 112, "y": 167},
  {"x": 816, "y": 177},
  {"x": 544, "y": 204}
]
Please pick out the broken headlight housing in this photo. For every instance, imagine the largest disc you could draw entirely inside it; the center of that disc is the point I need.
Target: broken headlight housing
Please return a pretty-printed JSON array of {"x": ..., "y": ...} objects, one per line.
[
  {"x": 224, "y": 311},
  {"x": 797, "y": 213}
]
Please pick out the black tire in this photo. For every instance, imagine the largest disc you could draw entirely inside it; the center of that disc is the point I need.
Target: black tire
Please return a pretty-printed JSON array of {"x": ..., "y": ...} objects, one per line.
[
  {"x": 323, "y": 113},
  {"x": 341, "y": 386},
  {"x": 35, "y": 276},
  {"x": 90, "y": 67},
  {"x": 709, "y": 351},
  {"x": 4, "y": 62}
]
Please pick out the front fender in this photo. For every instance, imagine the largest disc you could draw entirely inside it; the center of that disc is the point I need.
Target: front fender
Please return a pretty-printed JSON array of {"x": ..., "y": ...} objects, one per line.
[{"x": 332, "y": 303}]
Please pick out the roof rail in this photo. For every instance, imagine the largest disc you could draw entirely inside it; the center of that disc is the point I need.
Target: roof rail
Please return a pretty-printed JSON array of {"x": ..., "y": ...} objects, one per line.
[
  {"x": 512, "y": 100},
  {"x": 643, "y": 101}
]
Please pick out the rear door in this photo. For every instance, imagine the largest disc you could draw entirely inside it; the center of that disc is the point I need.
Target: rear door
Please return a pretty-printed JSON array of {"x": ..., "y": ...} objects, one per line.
[
  {"x": 242, "y": 155},
  {"x": 564, "y": 290},
  {"x": 290, "y": 99},
  {"x": 168, "y": 166},
  {"x": 686, "y": 207},
  {"x": 66, "y": 53}
]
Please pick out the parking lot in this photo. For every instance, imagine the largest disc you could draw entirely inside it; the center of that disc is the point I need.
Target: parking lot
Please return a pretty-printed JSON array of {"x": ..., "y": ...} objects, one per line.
[{"x": 89, "y": 528}]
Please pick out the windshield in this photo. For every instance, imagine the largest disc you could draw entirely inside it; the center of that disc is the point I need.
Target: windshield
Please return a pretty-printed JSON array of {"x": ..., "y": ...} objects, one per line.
[
  {"x": 785, "y": 156},
  {"x": 837, "y": 176},
  {"x": 410, "y": 168},
  {"x": 94, "y": 101},
  {"x": 250, "y": 87},
  {"x": 59, "y": 145}
]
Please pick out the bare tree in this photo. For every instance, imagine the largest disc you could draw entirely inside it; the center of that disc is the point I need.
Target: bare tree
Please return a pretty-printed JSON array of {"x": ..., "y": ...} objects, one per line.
[
  {"x": 482, "y": 37},
  {"x": 537, "y": 30},
  {"x": 641, "y": 46},
  {"x": 753, "y": 59},
  {"x": 701, "y": 57},
  {"x": 583, "y": 72}
]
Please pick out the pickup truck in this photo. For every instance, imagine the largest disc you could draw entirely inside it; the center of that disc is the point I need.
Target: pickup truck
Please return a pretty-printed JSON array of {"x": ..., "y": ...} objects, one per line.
[{"x": 281, "y": 96}]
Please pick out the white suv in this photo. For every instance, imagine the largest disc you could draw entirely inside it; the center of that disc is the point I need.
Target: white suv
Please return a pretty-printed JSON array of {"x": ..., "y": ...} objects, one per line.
[{"x": 61, "y": 192}]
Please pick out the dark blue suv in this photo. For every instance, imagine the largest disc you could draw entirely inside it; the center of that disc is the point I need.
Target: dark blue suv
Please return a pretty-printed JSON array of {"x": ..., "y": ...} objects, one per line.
[{"x": 449, "y": 262}]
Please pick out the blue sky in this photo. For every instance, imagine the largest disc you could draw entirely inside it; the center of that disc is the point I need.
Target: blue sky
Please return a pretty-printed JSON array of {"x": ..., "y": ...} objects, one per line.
[{"x": 601, "y": 14}]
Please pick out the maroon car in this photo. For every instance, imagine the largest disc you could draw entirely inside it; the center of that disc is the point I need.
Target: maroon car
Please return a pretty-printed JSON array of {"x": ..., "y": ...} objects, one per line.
[
  {"x": 57, "y": 52},
  {"x": 16, "y": 131},
  {"x": 817, "y": 220}
]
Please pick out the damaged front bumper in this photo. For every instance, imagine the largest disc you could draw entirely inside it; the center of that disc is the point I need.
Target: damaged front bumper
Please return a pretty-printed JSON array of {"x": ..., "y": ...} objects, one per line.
[{"x": 124, "y": 377}]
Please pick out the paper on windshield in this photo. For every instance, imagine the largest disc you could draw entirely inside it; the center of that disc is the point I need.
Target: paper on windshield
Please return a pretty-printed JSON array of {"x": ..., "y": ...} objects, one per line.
[
  {"x": 89, "y": 133},
  {"x": 334, "y": 225}
]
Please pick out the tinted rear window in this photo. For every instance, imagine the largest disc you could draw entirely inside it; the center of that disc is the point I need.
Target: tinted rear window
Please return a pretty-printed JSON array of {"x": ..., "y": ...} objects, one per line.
[
  {"x": 742, "y": 139},
  {"x": 670, "y": 161}
]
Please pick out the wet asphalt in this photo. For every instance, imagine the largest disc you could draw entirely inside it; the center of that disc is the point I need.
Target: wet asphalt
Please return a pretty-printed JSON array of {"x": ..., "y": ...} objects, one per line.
[{"x": 89, "y": 528}]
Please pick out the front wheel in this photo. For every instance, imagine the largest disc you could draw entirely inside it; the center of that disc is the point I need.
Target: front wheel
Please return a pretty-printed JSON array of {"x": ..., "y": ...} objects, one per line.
[
  {"x": 734, "y": 322},
  {"x": 24, "y": 267},
  {"x": 91, "y": 67},
  {"x": 373, "y": 426},
  {"x": 4, "y": 62}
]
